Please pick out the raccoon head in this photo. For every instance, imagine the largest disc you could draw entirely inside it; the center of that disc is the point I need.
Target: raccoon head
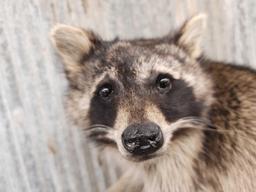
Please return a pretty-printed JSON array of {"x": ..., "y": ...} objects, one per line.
[{"x": 139, "y": 96}]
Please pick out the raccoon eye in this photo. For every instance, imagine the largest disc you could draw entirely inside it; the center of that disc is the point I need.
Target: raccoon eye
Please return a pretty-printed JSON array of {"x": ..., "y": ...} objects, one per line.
[
  {"x": 105, "y": 91},
  {"x": 163, "y": 83}
]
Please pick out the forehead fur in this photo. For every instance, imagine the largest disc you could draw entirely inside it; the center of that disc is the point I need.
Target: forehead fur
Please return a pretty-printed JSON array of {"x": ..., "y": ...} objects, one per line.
[{"x": 134, "y": 59}]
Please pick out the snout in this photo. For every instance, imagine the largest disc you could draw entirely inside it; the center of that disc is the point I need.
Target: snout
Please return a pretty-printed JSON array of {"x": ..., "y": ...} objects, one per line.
[{"x": 142, "y": 139}]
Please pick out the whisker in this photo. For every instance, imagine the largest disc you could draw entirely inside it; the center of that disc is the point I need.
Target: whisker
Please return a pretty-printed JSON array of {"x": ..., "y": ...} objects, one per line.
[
  {"x": 97, "y": 126},
  {"x": 202, "y": 121},
  {"x": 194, "y": 123},
  {"x": 206, "y": 125},
  {"x": 95, "y": 129},
  {"x": 99, "y": 133},
  {"x": 203, "y": 128}
]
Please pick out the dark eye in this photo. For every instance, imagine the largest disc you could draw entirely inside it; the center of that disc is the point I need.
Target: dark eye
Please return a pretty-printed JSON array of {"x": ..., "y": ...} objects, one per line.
[
  {"x": 164, "y": 83},
  {"x": 105, "y": 91}
]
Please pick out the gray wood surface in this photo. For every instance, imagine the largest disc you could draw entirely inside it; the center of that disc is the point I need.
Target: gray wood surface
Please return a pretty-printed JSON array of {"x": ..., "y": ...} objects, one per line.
[{"x": 40, "y": 150}]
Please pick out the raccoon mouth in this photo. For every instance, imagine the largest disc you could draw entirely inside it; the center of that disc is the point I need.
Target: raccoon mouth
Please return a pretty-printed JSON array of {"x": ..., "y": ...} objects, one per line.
[{"x": 142, "y": 158}]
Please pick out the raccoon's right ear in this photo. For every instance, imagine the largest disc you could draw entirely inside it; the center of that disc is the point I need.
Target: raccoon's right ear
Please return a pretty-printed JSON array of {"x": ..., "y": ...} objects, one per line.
[
  {"x": 190, "y": 35},
  {"x": 73, "y": 44}
]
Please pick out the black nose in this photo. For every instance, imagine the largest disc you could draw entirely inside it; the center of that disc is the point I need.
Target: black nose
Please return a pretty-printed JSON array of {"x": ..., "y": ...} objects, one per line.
[{"x": 142, "y": 139}]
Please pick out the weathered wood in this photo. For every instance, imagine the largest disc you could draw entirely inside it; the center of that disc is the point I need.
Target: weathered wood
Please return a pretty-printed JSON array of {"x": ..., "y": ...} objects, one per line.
[{"x": 40, "y": 149}]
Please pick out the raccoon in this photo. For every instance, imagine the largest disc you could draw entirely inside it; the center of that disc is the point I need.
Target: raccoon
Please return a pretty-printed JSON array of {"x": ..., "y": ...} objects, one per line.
[{"x": 172, "y": 119}]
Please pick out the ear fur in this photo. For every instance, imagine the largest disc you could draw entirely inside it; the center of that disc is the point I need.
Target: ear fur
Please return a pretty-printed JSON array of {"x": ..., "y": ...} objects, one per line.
[
  {"x": 190, "y": 35},
  {"x": 72, "y": 44}
]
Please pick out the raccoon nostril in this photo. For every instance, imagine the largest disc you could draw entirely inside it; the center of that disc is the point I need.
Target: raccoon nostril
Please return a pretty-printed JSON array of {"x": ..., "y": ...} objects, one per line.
[
  {"x": 130, "y": 141},
  {"x": 131, "y": 145},
  {"x": 152, "y": 138}
]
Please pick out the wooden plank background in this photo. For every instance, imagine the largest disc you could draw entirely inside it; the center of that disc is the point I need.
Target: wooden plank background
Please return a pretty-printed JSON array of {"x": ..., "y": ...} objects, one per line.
[{"x": 40, "y": 151}]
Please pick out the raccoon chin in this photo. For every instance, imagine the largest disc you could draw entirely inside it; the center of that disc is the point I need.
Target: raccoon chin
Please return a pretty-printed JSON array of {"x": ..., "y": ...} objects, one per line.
[{"x": 151, "y": 158}]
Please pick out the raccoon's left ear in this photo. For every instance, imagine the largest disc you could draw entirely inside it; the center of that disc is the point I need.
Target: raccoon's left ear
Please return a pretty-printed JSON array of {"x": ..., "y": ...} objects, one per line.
[
  {"x": 73, "y": 43},
  {"x": 190, "y": 35}
]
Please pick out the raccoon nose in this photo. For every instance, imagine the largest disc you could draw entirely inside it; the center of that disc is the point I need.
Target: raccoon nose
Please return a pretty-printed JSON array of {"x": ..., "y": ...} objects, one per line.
[{"x": 142, "y": 139}]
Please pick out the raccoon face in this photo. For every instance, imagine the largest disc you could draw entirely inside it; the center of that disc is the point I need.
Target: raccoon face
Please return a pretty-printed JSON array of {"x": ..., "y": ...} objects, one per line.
[{"x": 136, "y": 95}]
